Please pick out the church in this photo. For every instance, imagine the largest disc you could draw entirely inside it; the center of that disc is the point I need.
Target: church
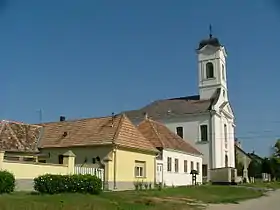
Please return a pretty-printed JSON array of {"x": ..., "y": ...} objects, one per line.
[{"x": 206, "y": 120}]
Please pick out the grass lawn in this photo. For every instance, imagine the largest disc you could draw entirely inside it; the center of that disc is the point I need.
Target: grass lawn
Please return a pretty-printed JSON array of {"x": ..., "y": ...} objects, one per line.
[
  {"x": 259, "y": 184},
  {"x": 167, "y": 199}
]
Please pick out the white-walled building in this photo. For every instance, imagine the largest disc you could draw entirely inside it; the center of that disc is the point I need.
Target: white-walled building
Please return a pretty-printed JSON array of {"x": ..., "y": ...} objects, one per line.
[
  {"x": 207, "y": 119},
  {"x": 177, "y": 158}
]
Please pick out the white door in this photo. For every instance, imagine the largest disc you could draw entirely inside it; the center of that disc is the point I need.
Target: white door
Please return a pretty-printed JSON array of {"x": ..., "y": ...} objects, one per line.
[{"x": 159, "y": 173}]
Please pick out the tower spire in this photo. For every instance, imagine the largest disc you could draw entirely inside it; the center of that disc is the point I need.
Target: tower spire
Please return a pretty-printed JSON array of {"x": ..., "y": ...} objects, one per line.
[{"x": 210, "y": 31}]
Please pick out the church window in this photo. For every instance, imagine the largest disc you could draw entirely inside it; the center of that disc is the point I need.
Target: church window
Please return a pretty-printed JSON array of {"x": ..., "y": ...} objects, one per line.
[
  {"x": 180, "y": 132},
  {"x": 203, "y": 133},
  {"x": 209, "y": 70}
]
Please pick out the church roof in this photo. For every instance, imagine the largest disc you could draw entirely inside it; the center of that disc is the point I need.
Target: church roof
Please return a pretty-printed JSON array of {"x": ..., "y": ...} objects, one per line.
[
  {"x": 210, "y": 41},
  {"x": 174, "y": 107},
  {"x": 161, "y": 137}
]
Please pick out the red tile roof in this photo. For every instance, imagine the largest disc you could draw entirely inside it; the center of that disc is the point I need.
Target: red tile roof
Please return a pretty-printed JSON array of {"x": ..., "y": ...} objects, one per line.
[
  {"x": 161, "y": 137},
  {"x": 117, "y": 130},
  {"x": 19, "y": 137}
]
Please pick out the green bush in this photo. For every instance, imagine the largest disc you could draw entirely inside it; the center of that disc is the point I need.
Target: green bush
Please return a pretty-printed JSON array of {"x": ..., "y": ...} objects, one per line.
[
  {"x": 54, "y": 184},
  {"x": 7, "y": 182}
]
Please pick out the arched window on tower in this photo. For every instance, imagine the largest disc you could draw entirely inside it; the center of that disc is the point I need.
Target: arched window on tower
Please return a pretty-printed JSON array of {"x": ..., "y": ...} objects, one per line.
[{"x": 209, "y": 70}]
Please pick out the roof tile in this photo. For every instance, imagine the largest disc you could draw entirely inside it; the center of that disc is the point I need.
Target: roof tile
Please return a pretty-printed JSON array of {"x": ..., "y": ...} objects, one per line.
[
  {"x": 19, "y": 137},
  {"x": 162, "y": 137},
  {"x": 94, "y": 131}
]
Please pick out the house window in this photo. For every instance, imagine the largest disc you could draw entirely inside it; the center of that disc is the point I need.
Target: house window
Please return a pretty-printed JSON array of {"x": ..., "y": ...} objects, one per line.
[
  {"x": 209, "y": 70},
  {"x": 223, "y": 71},
  {"x": 169, "y": 164},
  {"x": 176, "y": 165},
  {"x": 204, "y": 170},
  {"x": 93, "y": 160},
  {"x": 139, "y": 169},
  {"x": 185, "y": 166},
  {"x": 180, "y": 132},
  {"x": 197, "y": 168},
  {"x": 203, "y": 133},
  {"x": 60, "y": 159},
  {"x": 192, "y": 165}
]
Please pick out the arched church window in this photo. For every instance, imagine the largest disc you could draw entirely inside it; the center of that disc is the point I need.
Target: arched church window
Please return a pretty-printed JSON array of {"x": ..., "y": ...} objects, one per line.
[
  {"x": 209, "y": 70},
  {"x": 226, "y": 160}
]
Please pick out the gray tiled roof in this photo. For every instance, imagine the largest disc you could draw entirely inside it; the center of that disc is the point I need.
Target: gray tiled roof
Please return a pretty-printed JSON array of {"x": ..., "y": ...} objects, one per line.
[{"x": 173, "y": 107}]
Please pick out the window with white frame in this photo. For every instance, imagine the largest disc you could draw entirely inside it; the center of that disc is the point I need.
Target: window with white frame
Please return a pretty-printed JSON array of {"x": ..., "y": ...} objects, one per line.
[
  {"x": 192, "y": 166},
  {"x": 140, "y": 168},
  {"x": 169, "y": 164},
  {"x": 204, "y": 133},
  {"x": 176, "y": 165},
  {"x": 185, "y": 166},
  {"x": 197, "y": 168}
]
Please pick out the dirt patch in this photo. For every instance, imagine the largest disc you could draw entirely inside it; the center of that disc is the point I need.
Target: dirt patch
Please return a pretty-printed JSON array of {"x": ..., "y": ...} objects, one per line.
[
  {"x": 152, "y": 201},
  {"x": 173, "y": 199}
]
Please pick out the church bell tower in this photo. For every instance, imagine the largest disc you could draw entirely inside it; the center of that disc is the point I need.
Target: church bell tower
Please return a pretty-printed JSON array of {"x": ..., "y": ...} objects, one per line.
[{"x": 211, "y": 67}]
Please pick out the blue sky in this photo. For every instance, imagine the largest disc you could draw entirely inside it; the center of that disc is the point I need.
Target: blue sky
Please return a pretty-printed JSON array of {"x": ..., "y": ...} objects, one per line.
[{"x": 94, "y": 57}]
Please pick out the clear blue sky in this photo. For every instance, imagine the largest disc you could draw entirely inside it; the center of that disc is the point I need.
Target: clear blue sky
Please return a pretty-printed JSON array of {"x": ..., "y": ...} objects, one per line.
[{"x": 86, "y": 58}]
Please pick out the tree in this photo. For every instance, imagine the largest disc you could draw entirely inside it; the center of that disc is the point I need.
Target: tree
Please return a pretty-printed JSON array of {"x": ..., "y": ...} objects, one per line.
[
  {"x": 266, "y": 166},
  {"x": 277, "y": 148},
  {"x": 253, "y": 168},
  {"x": 240, "y": 168}
]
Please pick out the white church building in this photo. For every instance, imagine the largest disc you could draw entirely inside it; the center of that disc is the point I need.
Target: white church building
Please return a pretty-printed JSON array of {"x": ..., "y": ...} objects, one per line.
[{"x": 206, "y": 120}]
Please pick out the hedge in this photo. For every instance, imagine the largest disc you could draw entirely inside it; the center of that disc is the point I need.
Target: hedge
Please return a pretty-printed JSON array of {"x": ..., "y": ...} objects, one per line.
[
  {"x": 54, "y": 184},
  {"x": 7, "y": 182}
]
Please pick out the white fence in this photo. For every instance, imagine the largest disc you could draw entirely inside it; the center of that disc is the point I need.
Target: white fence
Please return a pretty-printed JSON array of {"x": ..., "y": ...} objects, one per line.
[{"x": 99, "y": 172}]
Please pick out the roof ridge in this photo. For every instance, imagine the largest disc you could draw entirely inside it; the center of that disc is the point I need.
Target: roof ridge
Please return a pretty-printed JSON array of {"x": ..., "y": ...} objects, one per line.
[
  {"x": 179, "y": 139},
  {"x": 156, "y": 132},
  {"x": 118, "y": 129}
]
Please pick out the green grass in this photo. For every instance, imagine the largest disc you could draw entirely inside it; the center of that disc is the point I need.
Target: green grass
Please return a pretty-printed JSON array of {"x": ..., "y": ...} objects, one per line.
[
  {"x": 259, "y": 184},
  {"x": 179, "y": 198}
]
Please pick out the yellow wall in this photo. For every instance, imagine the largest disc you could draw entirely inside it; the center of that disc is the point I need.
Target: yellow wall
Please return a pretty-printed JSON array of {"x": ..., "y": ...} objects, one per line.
[
  {"x": 82, "y": 153},
  {"x": 125, "y": 164},
  {"x": 22, "y": 170}
]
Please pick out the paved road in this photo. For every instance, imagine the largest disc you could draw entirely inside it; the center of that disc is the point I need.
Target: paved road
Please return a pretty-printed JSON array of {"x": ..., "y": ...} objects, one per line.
[{"x": 270, "y": 202}]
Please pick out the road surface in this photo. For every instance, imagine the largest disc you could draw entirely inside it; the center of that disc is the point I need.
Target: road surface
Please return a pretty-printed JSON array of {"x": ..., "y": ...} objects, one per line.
[{"x": 270, "y": 202}]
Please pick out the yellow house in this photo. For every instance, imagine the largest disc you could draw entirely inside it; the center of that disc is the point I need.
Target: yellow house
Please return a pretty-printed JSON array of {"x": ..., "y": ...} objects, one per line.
[{"x": 112, "y": 143}]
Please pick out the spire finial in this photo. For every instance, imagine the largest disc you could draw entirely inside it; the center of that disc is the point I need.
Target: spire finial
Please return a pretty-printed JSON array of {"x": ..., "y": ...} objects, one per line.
[{"x": 210, "y": 31}]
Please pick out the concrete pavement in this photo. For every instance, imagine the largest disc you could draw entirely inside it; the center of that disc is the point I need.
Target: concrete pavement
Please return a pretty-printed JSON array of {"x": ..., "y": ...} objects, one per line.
[{"x": 270, "y": 202}]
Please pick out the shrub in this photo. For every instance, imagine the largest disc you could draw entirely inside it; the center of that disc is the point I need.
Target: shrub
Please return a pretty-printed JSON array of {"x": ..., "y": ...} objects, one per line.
[
  {"x": 54, "y": 184},
  {"x": 7, "y": 182}
]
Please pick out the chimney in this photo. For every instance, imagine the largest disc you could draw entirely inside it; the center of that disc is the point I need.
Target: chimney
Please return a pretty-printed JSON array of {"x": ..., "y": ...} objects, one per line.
[
  {"x": 62, "y": 118},
  {"x": 146, "y": 116},
  {"x": 112, "y": 120}
]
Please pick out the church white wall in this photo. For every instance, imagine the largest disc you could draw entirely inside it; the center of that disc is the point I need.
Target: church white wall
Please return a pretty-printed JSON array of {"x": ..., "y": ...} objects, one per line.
[
  {"x": 221, "y": 148},
  {"x": 180, "y": 178},
  {"x": 191, "y": 128}
]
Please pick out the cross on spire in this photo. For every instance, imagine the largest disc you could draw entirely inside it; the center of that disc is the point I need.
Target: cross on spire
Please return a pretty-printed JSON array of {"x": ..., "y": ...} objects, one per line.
[{"x": 210, "y": 31}]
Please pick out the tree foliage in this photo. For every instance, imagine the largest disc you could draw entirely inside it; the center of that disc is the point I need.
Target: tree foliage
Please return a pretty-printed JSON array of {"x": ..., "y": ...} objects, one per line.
[{"x": 254, "y": 169}]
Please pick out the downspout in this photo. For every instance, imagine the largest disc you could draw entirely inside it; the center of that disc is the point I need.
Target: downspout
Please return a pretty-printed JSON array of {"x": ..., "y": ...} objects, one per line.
[
  {"x": 212, "y": 139},
  {"x": 115, "y": 166},
  {"x": 155, "y": 170}
]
